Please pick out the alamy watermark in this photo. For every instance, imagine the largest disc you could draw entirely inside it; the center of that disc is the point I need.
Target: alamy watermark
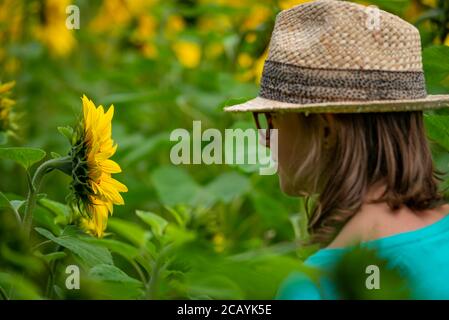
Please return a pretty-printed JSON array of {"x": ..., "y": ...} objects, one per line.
[
  {"x": 73, "y": 17},
  {"x": 372, "y": 282},
  {"x": 373, "y": 18},
  {"x": 235, "y": 147},
  {"x": 72, "y": 282}
]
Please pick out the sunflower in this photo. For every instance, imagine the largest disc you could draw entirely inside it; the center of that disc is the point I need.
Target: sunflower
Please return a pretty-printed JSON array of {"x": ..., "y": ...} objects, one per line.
[{"x": 95, "y": 191}]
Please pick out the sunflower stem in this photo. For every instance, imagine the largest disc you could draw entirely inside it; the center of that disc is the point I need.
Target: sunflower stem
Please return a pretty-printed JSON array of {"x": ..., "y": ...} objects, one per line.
[{"x": 63, "y": 164}]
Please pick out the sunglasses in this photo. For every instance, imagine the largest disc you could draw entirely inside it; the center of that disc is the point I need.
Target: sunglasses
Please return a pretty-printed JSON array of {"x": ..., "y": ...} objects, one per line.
[{"x": 264, "y": 123}]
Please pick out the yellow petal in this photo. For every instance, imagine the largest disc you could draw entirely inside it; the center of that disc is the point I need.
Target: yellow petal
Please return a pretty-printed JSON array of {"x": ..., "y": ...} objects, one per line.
[
  {"x": 117, "y": 185},
  {"x": 110, "y": 166},
  {"x": 7, "y": 86}
]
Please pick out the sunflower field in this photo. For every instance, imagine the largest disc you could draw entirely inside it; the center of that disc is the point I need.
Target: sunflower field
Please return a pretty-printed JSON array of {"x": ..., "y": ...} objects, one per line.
[{"x": 86, "y": 181}]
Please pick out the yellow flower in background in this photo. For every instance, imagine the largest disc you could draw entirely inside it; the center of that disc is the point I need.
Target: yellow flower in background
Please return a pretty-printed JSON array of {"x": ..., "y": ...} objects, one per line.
[
  {"x": 215, "y": 23},
  {"x": 244, "y": 60},
  {"x": 412, "y": 12},
  {"x": 143, "y": 36},
  {"x": 258, "y": 15},
  {"x": 146, "y": 27},
  {"x": 214, "y": 50},
  {"x": 233, "y": 3},
  {"x": 149, "y": 50},
  {"x": 287, "y": 4},
  {"x": 54, "y": 33},
  {"x": 95, "y": 191},
  {"x": 11, "y": 29},
  {"x": 446, "y": 42},
  {"x": 6, "y": 87},
  {"x": 251, "y": 37},
  {"x": 188, "y": 53},
  {"x": 219, "y": 242},
  {"x": 11, "y": 20},
  {"x": 175, "y": 24},
  {"x": 258, "y": 66},
  {"x": 113, "y": 15},
  {"x": 8, "y": 117},
  {"x": 253, "y": 67},
  {"x": 136, "y": 7}
]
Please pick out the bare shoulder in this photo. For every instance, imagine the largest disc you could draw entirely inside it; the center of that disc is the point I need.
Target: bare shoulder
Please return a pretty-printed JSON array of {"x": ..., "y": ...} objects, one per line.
[{"x": 377, "y": 221}]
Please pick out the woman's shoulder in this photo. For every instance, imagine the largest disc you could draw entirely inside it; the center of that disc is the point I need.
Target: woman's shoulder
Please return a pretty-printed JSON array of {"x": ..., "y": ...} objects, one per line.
[
  {"x": 414, "y": 244},
  {"x": 374, "y": 222}
]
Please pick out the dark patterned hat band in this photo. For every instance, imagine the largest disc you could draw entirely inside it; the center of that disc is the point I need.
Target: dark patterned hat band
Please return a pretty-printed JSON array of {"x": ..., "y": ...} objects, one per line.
[{"x": 295, "y": 84}]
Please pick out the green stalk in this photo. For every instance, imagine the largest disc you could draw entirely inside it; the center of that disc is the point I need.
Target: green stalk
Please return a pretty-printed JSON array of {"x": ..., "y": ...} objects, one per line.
[
  {"x": 151, "y": 286},
  {"x": 63, "y": 164},
  {"x": 51, "y": 275}
]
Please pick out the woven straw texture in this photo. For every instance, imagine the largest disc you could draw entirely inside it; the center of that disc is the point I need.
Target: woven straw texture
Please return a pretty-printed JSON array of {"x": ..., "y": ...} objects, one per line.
[
  {"x": 332, "y": 56},
  {"x": 338, "y": 35}
]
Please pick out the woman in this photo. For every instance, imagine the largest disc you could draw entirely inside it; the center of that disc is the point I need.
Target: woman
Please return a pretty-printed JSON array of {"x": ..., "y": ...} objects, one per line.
[{"x": 347, "y": 98}]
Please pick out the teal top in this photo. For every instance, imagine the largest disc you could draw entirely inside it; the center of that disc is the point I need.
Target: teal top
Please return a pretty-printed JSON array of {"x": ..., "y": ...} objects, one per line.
[{"x": 422, "y": 256}]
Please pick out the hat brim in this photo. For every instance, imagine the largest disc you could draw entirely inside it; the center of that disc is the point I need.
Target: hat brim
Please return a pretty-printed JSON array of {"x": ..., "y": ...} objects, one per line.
[{"x": 260, "y": 104}]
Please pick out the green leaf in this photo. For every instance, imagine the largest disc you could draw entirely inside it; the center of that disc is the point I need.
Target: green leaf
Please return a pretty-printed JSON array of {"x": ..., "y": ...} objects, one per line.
[
  {"x": 157, "y": 223},
  {"x": 125, "y": 250},
  {"x": 113, "y": 283},
  {"x": 45, "y": 219},
  {"x": 26, "y": 157},
  {"x": 51, "y": 256},
  {"x": 107, "y": 272},
  {"x": 129, "y": 230},
  {"x": 175, "y": 186},
  {"x": 19, "y": 259},
  {"x": 215, "y": 287},
  {"x": 437, "y": 127},
  {"x": 434, "y": 13},
  {"x": 90, "y": 254},
  {"x": 61, "y": 211},
  {"x": 66, "y": 132},
  {"x": 229, "y": 186},
  {"x": 272, "y": 211},
  {"x": 179, "y": 214},
  {"x": 179, "y": 235},
  {"x": 14, "y": 205},
  {"x": 436, "y": 68},
  {"x": 23, "y": 288}
]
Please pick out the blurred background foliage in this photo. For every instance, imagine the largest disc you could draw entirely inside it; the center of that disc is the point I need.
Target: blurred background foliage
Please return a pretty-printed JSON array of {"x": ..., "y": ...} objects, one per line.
[{"x": 186, "y": 231}]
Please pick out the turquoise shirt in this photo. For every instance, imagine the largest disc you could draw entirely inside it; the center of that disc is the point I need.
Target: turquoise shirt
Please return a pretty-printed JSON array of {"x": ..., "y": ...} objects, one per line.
[{"x": 421, "y": 255}]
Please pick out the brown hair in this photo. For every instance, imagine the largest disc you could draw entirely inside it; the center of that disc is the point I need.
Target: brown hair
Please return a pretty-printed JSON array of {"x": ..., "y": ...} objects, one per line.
[{"x": 371, "y": 148}]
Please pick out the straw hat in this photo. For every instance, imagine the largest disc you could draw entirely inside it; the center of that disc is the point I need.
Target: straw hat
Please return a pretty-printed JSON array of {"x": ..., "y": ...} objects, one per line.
[{"x": 337, "y": 56}]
